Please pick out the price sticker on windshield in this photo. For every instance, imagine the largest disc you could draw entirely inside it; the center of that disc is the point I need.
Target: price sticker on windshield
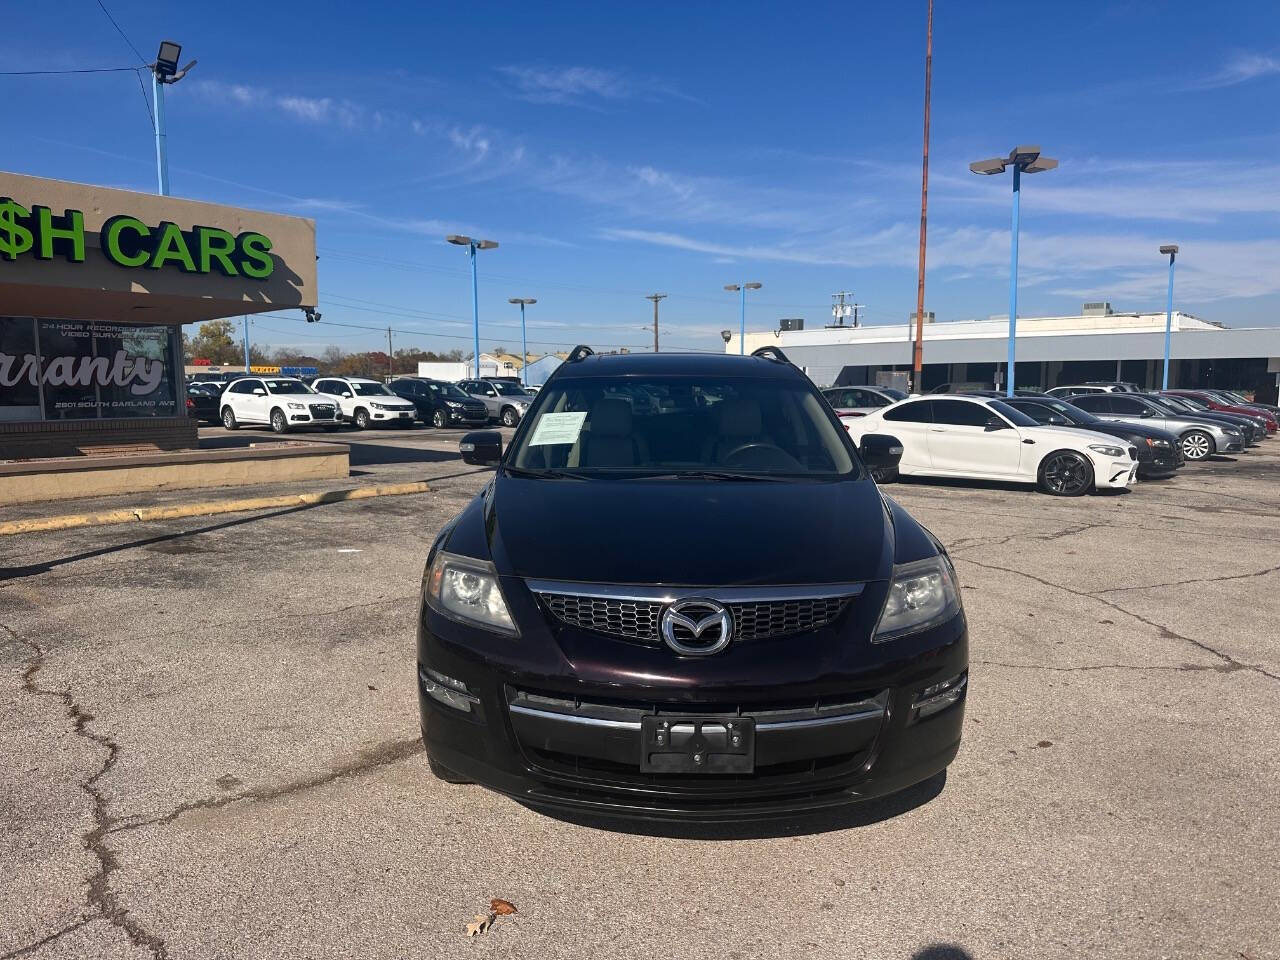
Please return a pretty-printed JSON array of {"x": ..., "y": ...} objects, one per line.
[{"x": 556, "y": 428}]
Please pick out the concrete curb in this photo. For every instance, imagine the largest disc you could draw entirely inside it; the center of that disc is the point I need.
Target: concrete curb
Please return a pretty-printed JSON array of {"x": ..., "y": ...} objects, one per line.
[{"x": 207, "y": 508}]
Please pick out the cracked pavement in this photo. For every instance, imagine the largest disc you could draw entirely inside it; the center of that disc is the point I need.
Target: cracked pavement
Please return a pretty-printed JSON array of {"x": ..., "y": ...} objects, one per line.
[{"x": 209, "y": 746}]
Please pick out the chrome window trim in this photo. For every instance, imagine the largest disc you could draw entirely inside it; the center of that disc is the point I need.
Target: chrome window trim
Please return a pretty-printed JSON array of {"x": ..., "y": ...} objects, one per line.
[{"x": 670, "y": 594}]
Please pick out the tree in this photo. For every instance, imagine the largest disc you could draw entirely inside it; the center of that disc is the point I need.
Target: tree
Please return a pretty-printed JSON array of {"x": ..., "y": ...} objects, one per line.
[{"x": 216, "y": 342}]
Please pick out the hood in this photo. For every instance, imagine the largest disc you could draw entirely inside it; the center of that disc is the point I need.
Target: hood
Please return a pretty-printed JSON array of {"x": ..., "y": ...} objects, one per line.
[
  {"x": 1128, "y": 428},
  {"x": 1081, "y": 434},
  {"x": 689, "y": 532}
]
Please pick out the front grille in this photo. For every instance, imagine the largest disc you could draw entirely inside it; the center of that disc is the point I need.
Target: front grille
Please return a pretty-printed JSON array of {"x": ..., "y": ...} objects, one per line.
[
  {"x": 637, "y": 619},
  {"x": 1133, "y": 453},
  {"x": 322, "y": 410}
]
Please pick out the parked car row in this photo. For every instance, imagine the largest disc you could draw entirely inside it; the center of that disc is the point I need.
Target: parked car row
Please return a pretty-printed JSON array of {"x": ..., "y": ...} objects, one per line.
[
  {"x": 284, "y": 403},
  {"x": 1105, "y": 435}
]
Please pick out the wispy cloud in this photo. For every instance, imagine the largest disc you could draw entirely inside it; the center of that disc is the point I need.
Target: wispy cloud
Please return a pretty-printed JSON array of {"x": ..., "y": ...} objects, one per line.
[
  {"x": 325, "y": 111},
  {"x": 582, "y": 86},
  {"x": 1241, "y": 68}
]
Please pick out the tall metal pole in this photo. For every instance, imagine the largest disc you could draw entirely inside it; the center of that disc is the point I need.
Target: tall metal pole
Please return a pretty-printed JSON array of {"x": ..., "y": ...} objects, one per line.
[
  {"x": 524, "y": 349},
  {"x": 246, "y": 343},
  {"x": 475, "y": 312},
  {"x": 1013, "y": 282},
  {"x": 391, "y": 364},
  {"x": 1168, "y": 323},
  {"x": 742, "y": 323},
  {"x": 917, "y": 359},
  {"x": 162, "y": 149}
]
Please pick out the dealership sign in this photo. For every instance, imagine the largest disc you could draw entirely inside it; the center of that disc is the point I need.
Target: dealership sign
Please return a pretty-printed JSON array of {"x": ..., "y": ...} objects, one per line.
[{"x": 129, "y": 242}]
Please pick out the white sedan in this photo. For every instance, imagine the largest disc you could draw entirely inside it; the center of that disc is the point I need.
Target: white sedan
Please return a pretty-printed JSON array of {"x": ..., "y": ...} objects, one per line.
[{"x": 986, "y": 439}]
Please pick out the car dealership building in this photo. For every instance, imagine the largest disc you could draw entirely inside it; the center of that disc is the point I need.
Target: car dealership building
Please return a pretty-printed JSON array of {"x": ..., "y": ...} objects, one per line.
[
  {"x": 1099, "y": 344},
  {"x": 95, "y": 285}
]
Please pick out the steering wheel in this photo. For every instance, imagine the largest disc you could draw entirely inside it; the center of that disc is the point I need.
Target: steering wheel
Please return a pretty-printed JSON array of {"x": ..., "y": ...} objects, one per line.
[{"x": 763, "y": 454}]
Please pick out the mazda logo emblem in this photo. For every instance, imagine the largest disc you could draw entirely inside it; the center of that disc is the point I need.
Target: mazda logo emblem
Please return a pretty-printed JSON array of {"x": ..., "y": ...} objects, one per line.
[{"x": 696, "y": 627}]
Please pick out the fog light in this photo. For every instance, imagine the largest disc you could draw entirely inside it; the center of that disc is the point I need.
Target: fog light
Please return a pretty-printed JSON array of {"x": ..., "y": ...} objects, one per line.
[
  {"x": 939, "y": 696},
  {"x": 447, "y": 690}
]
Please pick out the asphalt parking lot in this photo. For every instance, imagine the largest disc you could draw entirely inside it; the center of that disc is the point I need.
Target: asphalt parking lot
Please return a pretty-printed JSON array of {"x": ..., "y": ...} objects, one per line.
[{"x": 209, "y": 748}]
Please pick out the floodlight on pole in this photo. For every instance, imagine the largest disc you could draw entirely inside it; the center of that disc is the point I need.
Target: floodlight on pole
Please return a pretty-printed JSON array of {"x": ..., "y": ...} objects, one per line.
[
  {"x": 164, "y": 70},
  {"x": 1023, "y": 159},
  {"x": 524, "y": 343},
  {"x": 742, "y": 317},
  {"x": 472, "y": 246},
  {"x": 1170, "y": 250}
]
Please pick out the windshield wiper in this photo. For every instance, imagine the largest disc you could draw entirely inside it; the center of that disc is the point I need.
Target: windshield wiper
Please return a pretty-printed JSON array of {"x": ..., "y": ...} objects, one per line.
[
  {"x": 711, "y": 475},
  {"x": 542, "y": 474}
]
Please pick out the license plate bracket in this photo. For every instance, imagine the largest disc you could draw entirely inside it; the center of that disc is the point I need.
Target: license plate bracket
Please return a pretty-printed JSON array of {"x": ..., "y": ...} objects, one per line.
[{"x": 672, "y": 743}]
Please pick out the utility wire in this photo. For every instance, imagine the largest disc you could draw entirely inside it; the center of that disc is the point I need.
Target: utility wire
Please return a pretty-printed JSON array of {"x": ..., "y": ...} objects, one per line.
[
  {"x": 146, "y": 102},
  {"x": 123, "y": 36},
  {"x": 59, "y": 73}
]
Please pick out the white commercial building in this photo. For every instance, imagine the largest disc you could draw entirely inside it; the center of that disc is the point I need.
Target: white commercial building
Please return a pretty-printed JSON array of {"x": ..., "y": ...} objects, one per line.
[{"x": 1051, "y": 351}]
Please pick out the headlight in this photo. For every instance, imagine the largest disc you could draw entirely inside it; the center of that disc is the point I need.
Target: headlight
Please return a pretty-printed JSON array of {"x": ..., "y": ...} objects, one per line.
[
  {"x": 467, "y": 589},
  {"x": 296, "y": 406},
  {"x": 1106, "y": 450},
  {"x": 452, "y": 403},
  {"x": 921, "y": 595},
  {"x": 1160, "y": 443},
  {"x": 377, "y": 406}
]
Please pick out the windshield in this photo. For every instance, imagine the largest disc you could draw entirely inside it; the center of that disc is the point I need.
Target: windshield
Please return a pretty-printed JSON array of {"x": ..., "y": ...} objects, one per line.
[
  {"x": 287, "y": 386},
  {"x": 1169, "y": 403},
  {"x": 371, "y": 390},
  {"x": 1069, "y": 410},
  {"x": 682, "y": 425},
  {"x": 1014, "y": 416},
  {"x": 1190, "y": 403},
  {"x": 509, "y": 389}
]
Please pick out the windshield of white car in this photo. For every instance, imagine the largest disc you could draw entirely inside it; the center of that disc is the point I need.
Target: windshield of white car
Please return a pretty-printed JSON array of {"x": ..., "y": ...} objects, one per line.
[
  {"x": 371, "y": 390},
  {"x": 287, "y": 386},
  {"x": 676, "y": 426},
  {"x": 1012, "y": 414},
  {"x": 510, "y": 389}
]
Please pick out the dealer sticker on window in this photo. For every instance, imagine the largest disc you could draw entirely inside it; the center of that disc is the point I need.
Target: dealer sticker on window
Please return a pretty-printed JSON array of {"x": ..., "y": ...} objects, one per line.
[{"x": 557, "y": 428}]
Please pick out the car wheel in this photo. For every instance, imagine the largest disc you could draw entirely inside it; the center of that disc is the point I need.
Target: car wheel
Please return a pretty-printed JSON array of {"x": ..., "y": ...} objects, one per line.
[
  {"x": 1066, "y": 473},
  {"x": 442, "y": 772},
  {"x": 439, "y": 420},
  {"x": 1197, "y": 445},
  {"x": 509, "y": 417},
  {"x": 362, "y": 418},
  {"x": 278, "y": 423},
  {"x": 229, "y": 419}
]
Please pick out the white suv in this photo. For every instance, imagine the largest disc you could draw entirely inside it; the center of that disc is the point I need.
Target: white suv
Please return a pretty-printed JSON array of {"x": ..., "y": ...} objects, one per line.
[
  {"x": 365, "y": 402},
  {"x": 283, "y": 403}
]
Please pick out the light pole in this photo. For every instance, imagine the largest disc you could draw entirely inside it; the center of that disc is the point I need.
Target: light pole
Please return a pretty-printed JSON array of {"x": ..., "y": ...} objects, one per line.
[
  {"x": 1172, "y": 250},
  {"x": 742, "y": 320},
  {"x": 655, "y": 297},
  {"x": 1024, "y": 159},
  {"x": 524, "y": 343},
  {"x": 164, "y": 70},
  {"x": 472, "y": 246}
]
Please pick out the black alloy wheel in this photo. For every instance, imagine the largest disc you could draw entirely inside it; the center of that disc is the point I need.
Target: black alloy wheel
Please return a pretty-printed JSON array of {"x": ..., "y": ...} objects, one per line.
[
  {"x": 1066, "y": 474},
  {"x": 439, "y": 420}
]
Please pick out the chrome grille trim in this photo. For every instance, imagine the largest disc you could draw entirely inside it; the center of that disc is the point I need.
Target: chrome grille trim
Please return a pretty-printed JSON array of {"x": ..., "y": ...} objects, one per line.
[{"x": 634, "y": 612}]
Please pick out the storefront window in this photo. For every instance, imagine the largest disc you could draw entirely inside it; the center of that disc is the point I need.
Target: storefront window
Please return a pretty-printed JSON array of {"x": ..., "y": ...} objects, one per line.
[{"x": 85, "y": 370}]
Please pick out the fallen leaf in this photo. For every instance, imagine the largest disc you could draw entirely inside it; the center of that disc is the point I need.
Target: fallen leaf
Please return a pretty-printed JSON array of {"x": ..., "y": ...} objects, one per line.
[
  {"x": 480, "y": 924},
  {"x": 501, "y": 907}
]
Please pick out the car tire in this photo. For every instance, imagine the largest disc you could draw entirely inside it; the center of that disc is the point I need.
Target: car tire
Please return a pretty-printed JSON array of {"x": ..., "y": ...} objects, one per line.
[
  {"x": 509, "y": 417},
  {"x": 229, "y": 419},
  {"x": 279, "y": 423},
  {"x": 439, "y": 420},
  {"x": 1197, "y": 445},
  {"x": 1065, "y": 473},
  {"x": 361, "y": 418},
  {"x": 441, "y": 772}
]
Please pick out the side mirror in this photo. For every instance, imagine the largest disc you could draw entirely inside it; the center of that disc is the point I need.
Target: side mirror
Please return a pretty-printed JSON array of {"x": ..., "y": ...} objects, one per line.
[
  {"x": 346, "y": 394},
  {"x": 995, "y": 423},
  {"x": 482, "y": 448},
  {"x": 259, "y": 392},
  {"x": 880, "y": 451}
]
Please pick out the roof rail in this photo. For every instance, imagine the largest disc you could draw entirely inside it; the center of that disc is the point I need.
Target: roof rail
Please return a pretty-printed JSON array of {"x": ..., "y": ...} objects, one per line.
[
  {"x": 771, "y": 353},
  {"x": 581, "y": 351}
]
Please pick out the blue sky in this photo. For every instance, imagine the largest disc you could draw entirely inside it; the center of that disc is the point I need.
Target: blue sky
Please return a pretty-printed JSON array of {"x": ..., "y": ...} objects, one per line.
[{"x": 619, "y": 150}]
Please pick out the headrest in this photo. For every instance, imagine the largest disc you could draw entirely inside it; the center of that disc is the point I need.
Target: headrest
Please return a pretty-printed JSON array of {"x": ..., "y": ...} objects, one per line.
[
  {"x": 611, "y": 417},
  {"x": 739, "y": 418}
]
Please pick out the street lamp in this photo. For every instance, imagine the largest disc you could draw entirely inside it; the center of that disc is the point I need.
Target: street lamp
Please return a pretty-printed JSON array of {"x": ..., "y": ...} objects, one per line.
[
  {"x": 1025, "y": 159},
  {"x": 742, "y": 320},
  {"x": 524, "y": 343},
  {"x": 1172, "y": 250},
  {"x": 164, "y": 70},
  {"x": 472, "y": 246}
]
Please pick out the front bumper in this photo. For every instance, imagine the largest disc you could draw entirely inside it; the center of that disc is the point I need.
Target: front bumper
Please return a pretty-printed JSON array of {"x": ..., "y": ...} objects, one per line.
[
  {"x": 552, "y": 726},
  {"x": 1114, "y": 474},
  {"x": 394, "y": 416},
  {"x": 470, "y": 417}
]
